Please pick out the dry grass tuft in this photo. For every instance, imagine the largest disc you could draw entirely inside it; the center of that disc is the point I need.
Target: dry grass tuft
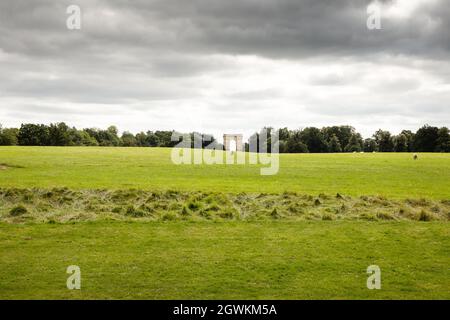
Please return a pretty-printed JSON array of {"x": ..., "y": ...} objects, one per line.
[{"x": 65, "y": 205}]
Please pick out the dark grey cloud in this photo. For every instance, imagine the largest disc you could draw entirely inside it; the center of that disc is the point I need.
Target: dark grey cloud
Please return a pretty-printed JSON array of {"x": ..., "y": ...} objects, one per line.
[
  {"x": 289, "y": 29},
  {"x": 235, "y": 57}
]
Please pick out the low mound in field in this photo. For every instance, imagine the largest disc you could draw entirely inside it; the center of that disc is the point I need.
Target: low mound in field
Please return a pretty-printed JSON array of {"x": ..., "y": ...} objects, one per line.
[
  {"x": 5, "y": 166},
  {"x": 65, "y": 205}
]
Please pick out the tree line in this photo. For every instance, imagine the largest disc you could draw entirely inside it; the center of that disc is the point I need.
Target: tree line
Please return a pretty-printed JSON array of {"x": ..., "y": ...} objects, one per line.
[
  {"x": 314, "y": 140},
  {"x": 337, "y": 139},
  {"x": 60, "y": 134}
]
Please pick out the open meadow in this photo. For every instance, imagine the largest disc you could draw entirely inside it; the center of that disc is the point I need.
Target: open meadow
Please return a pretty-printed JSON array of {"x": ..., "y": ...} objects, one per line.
[
  {"x": 141, "y": 227},
  {"x": 393, "y": 175}
]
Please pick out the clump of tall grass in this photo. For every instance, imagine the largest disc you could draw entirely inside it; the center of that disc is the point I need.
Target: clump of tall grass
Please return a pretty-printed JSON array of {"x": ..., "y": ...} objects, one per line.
[
  {"x": 288, "y": 194},
  {"x": 65, "y": 199},
  {"x": 28, "y": 197},
  {"x": 168, "y": 216},
  {"x": 17, "y": 211},
  {"x": 161, "y": 205},
  {"x": 293, "y": 208},
  {"x": 123, "y": 195},
  {"x": 146, "y": 208},
  {"x": 185, "y": 211},
  {"x": 213, "y": 207},
  {"x": 368, "y": 216},
  {"x": 48, "y": 195},
  {"x": 172, "y": 193},
  {"x": 133, "y": 212},
  {"x": 418, "y": 202},
  {"x": 205, "y": 214},
  {"x": 274, "y": 214},
  {"x": 227, "y": 214},
  {"x": 117, "y": 210},
  {"x": 328, "y": 216},
  {"x": 425, "y": 215},
  {"x": 343, "y": 208},
  {"x": 194, "y": 205},
  {"x": 323, "y": 196},
  {"x": 406, "y": 212},
  {"x": 175, "y": 206},
  {"x": 385, "y": 216}
]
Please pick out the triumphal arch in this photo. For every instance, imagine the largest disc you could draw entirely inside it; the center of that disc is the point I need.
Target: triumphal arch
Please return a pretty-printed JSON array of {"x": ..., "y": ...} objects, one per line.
[{"x": 237, "y": 138}]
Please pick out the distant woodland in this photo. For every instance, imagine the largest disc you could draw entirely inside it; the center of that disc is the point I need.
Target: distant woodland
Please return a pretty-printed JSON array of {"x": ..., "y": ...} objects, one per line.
[{"x": 307, "y": 140}]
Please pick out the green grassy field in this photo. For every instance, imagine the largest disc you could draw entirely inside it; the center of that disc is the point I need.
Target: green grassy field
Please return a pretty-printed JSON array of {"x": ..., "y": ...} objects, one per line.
[
  {"x": 228, "y": 260},
  {"x": 390, "y": 175},
  {"x": 155, "y": 230}
]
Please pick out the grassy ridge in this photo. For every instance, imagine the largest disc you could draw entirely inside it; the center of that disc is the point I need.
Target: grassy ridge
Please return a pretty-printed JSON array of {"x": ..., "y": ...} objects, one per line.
[
  {"x": 389, "y": 175},
  {"x": 227, "y": 260},
  {"x": 65, "y": 205}
]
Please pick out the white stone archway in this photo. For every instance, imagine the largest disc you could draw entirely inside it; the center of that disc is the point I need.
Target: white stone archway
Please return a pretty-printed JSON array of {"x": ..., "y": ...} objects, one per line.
[{"x": 237, "y": 138}]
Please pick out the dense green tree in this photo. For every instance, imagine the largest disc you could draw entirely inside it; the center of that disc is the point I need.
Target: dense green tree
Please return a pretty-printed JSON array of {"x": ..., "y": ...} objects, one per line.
[
  {"x": 283, "y": 137},
  {"x": 384, "y": 141},
  {"x": 400, "y": 143},
  {"x": 343, "y": 133},
  {"x": 334, "y": 144},
  {"x": 105, "y": 137},
  {"x": 314, "y": 140},
  {"x": 113, "y": 130},
  {"x": 370, "y": 145},
  {"x": 83, "y": 137},
  {"x": 410, "y": 139},
  {"x": 152, "y": 139},
  {"x": 128, "y": 139},
  {"x": 443, "y": 140},
  {"x": 33, "y": 135},
  {"x": 141, "y": 140},
  {"x": 112, "y": 135},
  {"x": 425, "y": 139},
  {"x": 354, "y": 144},
  {"x": 58, "y": 134},
  {"x": 284, "y": 134},
  {"x": 295, "y": 143},
  {"x": 8, "y": 136},
  {"x": 165, "y": 138}
]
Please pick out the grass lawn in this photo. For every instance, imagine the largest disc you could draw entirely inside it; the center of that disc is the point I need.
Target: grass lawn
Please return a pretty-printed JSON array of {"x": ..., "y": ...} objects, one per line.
[
  {"x": 227, "y": 260},
  {"x": 391, "y": 175},
  {"x": 222, "y": 232}
]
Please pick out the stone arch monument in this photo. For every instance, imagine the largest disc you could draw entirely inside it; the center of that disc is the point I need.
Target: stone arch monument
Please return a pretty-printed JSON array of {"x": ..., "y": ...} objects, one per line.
[{"x": 227, "y": 138}]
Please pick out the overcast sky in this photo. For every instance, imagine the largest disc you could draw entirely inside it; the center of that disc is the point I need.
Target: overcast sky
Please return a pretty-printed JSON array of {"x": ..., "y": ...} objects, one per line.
[{"x": 222, "y": 66}]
